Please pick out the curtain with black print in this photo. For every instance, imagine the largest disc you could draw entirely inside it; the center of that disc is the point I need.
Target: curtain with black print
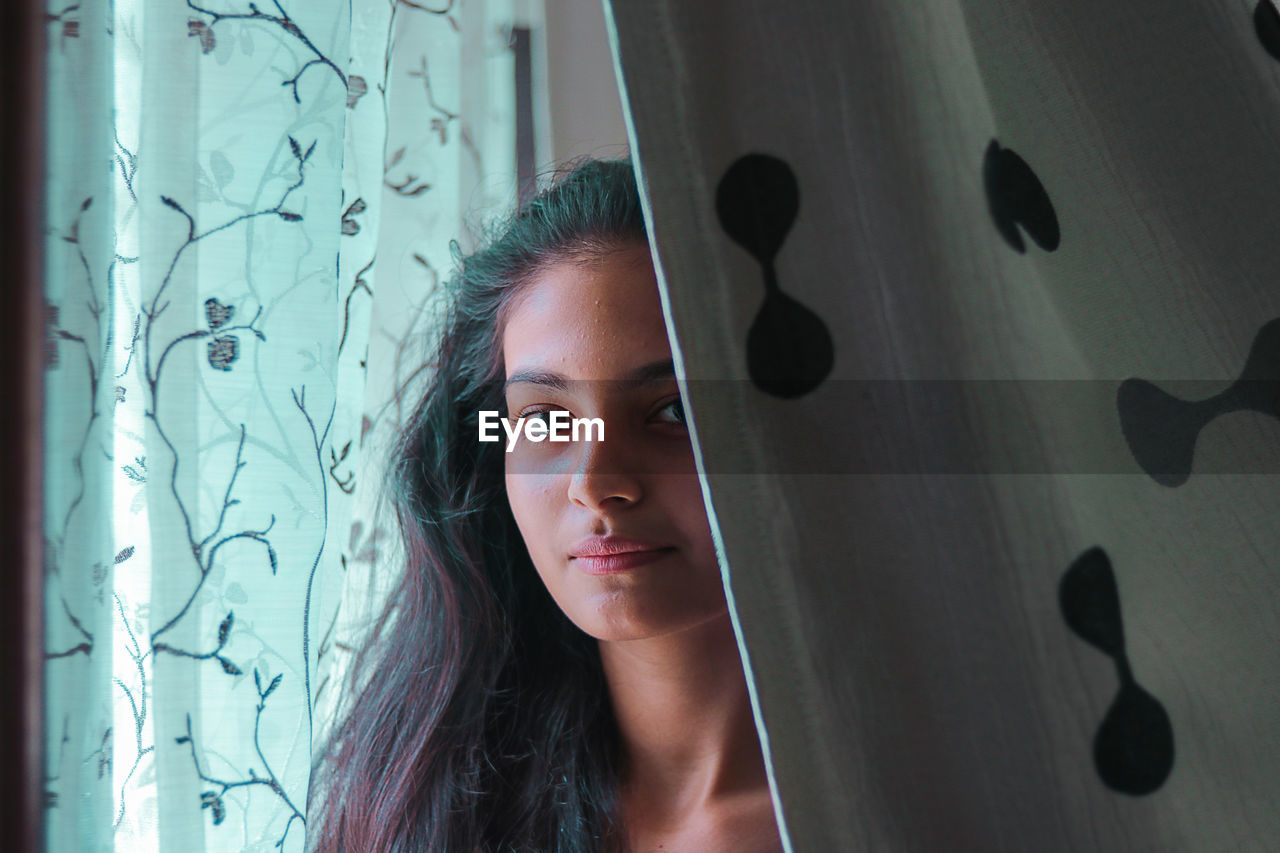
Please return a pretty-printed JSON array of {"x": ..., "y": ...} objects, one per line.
[
  {"x": 978, "y": 314},
  {"x": 247, "y": 205}
]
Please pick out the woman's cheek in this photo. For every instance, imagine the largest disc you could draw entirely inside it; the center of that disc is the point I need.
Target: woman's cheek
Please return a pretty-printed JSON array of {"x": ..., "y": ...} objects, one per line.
[
  {"x": 539, "y": 459},
  {"x": 532, "y": 497}
]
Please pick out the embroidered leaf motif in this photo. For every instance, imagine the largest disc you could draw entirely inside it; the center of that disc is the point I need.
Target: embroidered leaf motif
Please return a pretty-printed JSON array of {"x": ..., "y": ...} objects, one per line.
[
  {"x": 356, "y": 88},
  {"x": 218, "y": 314},
  {"x": 124, "y": 555},
  {"x": 210, "y": 800},
  {"x": 223, "y": 351},
  {"x": 228, "y": 667},
  {"x": 289, "y": 216},
  {"x": 222, "y": 169},
  {"x": 349, "y": 225},
  {"x": 139, "y": 473},
  {"x": 199, "y": 29},
  {"x": 236, "y": 594},
  {"x": 368, "y": 552},
  {"x": 275, "y": 682},
  {"x": 224, "y": 630}
]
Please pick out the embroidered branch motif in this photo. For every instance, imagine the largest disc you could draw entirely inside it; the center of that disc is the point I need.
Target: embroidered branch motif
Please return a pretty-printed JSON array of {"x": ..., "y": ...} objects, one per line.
[
  {"x": 212, "y": 799},
  {"x": 318, "y": 438},
  {"x": 204, "y": 31}
]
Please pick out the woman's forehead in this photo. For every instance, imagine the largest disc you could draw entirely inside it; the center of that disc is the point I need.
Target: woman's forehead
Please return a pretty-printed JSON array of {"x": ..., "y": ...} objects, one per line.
[{"x": 588, "y": 321}]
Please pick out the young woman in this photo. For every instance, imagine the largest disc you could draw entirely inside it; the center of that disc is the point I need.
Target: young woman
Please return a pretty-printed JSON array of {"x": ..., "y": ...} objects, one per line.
[{"x": 557, "y": 670}]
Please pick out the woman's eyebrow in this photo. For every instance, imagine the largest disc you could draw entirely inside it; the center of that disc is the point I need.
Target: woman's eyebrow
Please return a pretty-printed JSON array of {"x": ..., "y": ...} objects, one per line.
[{"x": 652, "y": 372}]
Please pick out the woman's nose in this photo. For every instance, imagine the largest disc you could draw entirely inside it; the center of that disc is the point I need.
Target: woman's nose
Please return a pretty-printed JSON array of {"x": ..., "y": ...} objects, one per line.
[{"x": 603, "y": 477}]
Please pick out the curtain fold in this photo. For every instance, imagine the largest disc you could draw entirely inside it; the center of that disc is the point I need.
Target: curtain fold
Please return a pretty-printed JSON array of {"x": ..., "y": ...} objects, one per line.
[
  {"x": 976, "y": 310},
  {"x": 442, "y": 84}
]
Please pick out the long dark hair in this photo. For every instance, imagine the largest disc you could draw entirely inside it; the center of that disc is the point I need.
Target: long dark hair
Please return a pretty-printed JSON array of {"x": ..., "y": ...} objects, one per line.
[{"x": 479, "y": 719}]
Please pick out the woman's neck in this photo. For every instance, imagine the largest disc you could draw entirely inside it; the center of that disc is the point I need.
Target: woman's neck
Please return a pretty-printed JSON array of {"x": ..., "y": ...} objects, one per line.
[{"x": 684, "y": 716}]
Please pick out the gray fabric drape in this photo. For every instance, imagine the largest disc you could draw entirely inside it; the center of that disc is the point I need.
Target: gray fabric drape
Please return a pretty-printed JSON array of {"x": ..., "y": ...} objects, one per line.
[{"x": 978, "y": 306}]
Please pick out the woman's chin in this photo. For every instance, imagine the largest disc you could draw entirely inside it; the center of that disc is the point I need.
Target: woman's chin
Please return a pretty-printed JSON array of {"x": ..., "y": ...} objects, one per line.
[{"x": 620, "y": 620}]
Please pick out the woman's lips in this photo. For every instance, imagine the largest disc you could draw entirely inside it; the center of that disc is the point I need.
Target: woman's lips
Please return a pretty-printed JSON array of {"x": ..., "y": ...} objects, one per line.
[{"x": 608, "y": 564}]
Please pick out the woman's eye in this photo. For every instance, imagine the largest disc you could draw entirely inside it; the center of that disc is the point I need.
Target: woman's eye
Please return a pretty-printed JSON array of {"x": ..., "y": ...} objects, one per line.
[
  {"x": 676, "y": 410},
  {"x": 540, "y": 414}
]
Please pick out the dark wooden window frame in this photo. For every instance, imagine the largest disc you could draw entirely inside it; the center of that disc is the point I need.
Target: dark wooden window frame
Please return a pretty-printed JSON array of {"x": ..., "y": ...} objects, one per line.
[{"x": 22, "y": 44}]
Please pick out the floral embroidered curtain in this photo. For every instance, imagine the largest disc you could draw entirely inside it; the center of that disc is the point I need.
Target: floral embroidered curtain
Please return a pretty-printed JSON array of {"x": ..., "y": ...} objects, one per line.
[{"x": 218, "y": 175}]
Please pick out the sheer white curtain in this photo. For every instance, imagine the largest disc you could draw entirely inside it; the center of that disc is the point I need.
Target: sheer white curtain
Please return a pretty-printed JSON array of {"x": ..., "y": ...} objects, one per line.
[
  {"x": 449, "y": 157},
  {"x": 215, "y": 197}
]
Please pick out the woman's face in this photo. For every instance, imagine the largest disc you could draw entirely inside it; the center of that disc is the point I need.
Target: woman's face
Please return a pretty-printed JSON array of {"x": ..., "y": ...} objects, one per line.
[{"x": 589, "y": 340}]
